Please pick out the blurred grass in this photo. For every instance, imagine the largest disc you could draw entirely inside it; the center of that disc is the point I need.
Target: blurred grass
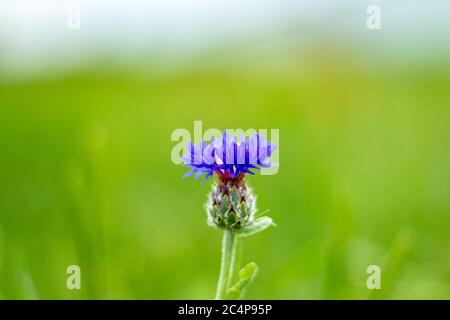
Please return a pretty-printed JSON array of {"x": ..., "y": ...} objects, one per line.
[{"x": 364, "y": 179}]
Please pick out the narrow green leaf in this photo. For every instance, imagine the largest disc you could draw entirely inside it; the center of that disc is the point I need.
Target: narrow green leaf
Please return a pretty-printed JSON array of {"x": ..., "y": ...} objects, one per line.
[
  {"x": 245, "y": 276},
  {"x": 256, "y": 226},
  {"x": 260, "y": 214}
]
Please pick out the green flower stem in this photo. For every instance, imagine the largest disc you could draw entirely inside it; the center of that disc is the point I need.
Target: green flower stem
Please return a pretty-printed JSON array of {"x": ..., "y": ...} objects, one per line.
[
  {"x": 228, "y": 265},
  {"x": 234, "y": 261}
]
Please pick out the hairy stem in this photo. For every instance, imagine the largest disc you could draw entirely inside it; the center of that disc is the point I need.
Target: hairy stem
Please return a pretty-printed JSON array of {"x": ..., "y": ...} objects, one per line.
[
  {"x": 235, "y": 262},
  {"x": 228, "y": 263}
]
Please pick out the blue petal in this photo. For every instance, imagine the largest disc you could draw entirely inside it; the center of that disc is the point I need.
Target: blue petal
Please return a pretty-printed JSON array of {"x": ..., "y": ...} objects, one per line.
[{"x": 190, "y": 173}]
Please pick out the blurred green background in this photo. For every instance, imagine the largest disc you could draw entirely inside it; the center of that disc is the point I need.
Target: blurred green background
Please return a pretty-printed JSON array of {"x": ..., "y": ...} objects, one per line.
[{"x": 87, "y": 179}]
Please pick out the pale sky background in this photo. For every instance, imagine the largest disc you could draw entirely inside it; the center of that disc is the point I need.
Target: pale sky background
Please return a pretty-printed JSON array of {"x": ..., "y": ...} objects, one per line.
[{"x": 34, "y": 34}]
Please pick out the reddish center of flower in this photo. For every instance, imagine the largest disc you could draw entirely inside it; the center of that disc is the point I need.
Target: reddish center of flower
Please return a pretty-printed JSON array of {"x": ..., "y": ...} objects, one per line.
[{"x": 226, "y": 178}]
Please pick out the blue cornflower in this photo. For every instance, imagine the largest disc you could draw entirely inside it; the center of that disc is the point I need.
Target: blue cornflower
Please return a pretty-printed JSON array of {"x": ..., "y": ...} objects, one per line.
[
  {"x": 231, "y": 204},
  {"x": 227, "y": 157}
]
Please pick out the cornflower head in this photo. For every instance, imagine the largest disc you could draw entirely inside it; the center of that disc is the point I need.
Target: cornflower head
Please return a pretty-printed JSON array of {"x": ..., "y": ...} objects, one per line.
[
  {"x": 228, "y": 158},
  {"x": 231, "y": 204}
]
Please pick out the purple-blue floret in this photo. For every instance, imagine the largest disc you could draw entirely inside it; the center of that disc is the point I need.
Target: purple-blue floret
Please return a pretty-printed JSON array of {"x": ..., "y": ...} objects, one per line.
[{"x": 228, "y": 156}]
